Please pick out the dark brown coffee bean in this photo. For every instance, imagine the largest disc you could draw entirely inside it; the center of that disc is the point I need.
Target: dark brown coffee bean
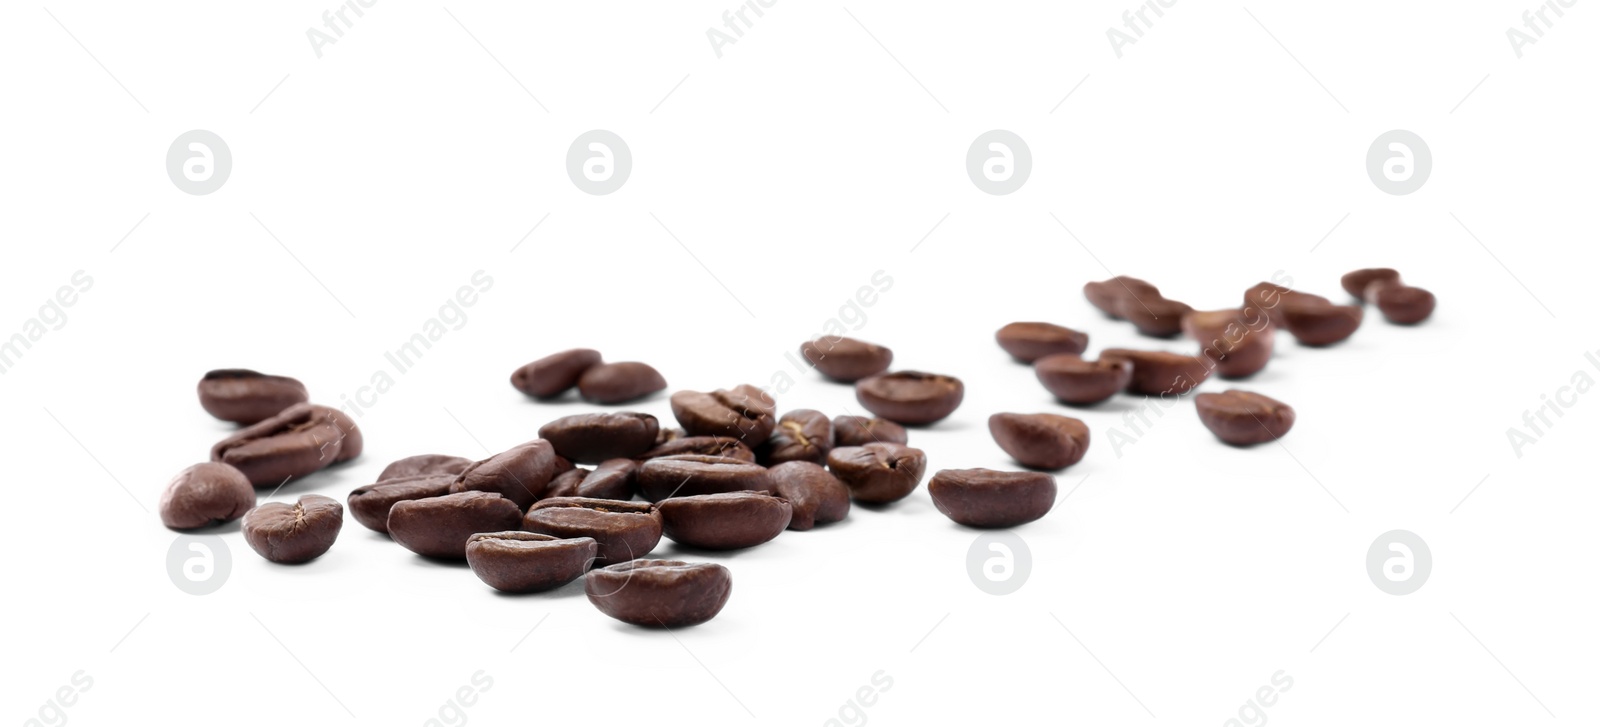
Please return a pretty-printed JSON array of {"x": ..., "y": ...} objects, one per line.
[
  {"x": 709, "y": 446},
  {"x": 519, "y": 474},
  {"x": 615, "y": 383},
  {"x": 803, "y": 435},
  {"x": 517, "y": 562},
  {"x": 1044, "y": 441},
  {"x": 854, "y": 431},
  {"x": 284, "y": 533},
  {"x": 622, "y": 531},
  {"x": 744, "y": 413},
  {"x": 1355, "y": 283},
  {"x": 1401, "y": 304},
  {"x": 846, "y": 359},
  {"x": 591, "y": 438},
  {"x": 566, "y": 483},
  {"x": 660, "y": 593},
  {"x": 613, "y": 479},
  {"x": 554, "y": 374},
  {"x": 1076, "y": 381},
  {"x": 294, "y": 443},
  {"x": 667, "y": 434},
  {"x": 243, "y": 396},
  {"x": 206, "y": 494},
  {"x": 1157, "y": 373},
  {"x": 725, "y": 521},
  {"x": 815, "y": 495},
  {"x": 878, "y": 473},
  {"x": 563, "y": 464},
  {"x": 1244, "y": 417},
  {"x": 370, "y": 504},
  {"x": 910, "y": 397},
  {"x": 1107, "y": 295},
  {"x": 438, "y": 527},
  {"x": 983, "y": 498},
  {"x": 1236, "y": 347},
  {"x": 1030, "y": 341},
  {"x": 424, "y": 464},
  {"x": 1320, "y": 324},
  {"x": 1155, "y": 317},
  {"x": 1269, "y": 298},
  {"x": 682, "y": 475}
]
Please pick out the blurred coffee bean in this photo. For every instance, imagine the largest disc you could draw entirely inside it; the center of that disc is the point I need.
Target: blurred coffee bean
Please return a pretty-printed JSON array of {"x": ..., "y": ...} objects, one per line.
[
  {"x": 1355, "y": 283},
  {"x": 846, "y": 359},
  {"x": 615, "y": 383},
  {"x": 1030, "y": 341},
  {"x": 1401, "y": 304},
  {"x": 1238, "y": 348},
  {"x": 910, "y": 397},
  {"x": 1154, "y": 317},
  {"x": 983, "y": 498},
  {"x": 1044, "y": 441},
  {"x": 1269, "y": 298},
  {"x": 1076, "y": 381},
  {"x": 284, "y": 533},
  {"x": 1159, "y": 372},
  {"x": 1320, "y": 324},
  {"x": 243, "y": 396},
  {"x": 1244, "y": 417},
  {"x": 1107, "y": 295}
]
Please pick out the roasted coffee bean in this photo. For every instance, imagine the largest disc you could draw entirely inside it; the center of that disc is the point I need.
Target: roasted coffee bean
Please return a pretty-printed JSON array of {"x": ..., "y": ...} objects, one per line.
[
  {"x": 983, "y": 498},
  {"x": 424, "y": 464},
  {"x": 1044, "y": 441},
  {"x": 744, "y": 412},
  {"x": 1076, "y": 381},
  {"x": 660, "y": 593},
  {"x": 815, "y": 495},
  {"x": 566, "y": 483},
  {"x": 243, "y": 396},
  {"x": 1160, "y": 372},
  {"x": 709, "y": 446},
  {"x": 803, "y": 435},
  {"x": 622, "y": 530},
  {"x": 1355, "y": 283},
  {"x": 1107, "y": 295},
  {"x": 726, "y": 521},
  {"x": 846, "y": 359},
  {"x": 1238, "y": 348},
  {"x": 1269, "y": 298},
  {"x": 519, "y": 474},
  {"x": 1244, "y": 417},
  {"x": 1400, "y": 303},
  {"x": 1154, "y": 317},
  {"x": 370, "y": 504},
  {"x": 1320, "y": 324},
  {"x": 439, "y": 527},
  {"x": 613, "y": 479},
  {"x": 910, "y": 397},
  {"x": 206, "y": 494},
  {"x": 615, "y": 383},
  {"x": 563, "y": 464},
  {"x": 591, "y": 438},
  {"x": 294, "y": 443},
  {"x": 554, "y": 374},
  {"x": 284, "y": 533},
  {"x": 517, "y": 562},
  {"x": 682, "y": 475},
  {"x": 1028, "y": 342},
  {"x": 667, "y": 434},
  {"x": 854, "y": 431},
  {"x": 878, "y": 473}
]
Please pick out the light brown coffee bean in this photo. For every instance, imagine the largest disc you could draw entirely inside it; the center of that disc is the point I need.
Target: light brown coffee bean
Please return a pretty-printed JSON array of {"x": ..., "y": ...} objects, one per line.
[
  {"x": 1244, "y": 417},
  {"x": 846, "y": 359},
  {"x": 1078, "y": 382}
]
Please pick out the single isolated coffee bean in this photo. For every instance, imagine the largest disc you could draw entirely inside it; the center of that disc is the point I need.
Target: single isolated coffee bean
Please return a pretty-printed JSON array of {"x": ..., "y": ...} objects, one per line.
[
  {"x": 709, "y": 446},
  {"x": 1042, "y": 441},
  {"x": 744, "y": 412},
  {"x": 846, "y": 359},
  {"x": 294, "y": 443},
  {"x": 1238, "y": 349},
  {"x": 1320, "y": 324},
  {"x": 613, "y": 479},
  {"x": 1078, "y": 382},
  {"x": 209, "y": 493},
  {"x": 983, "y": 498},
  {"x": 1157, "y": 373},
  {"x": 243, "y": 396},
  {"x": 554, "y": 374},
  {"x": 517, "y": 562},
  {"x": 854, "y": 431},
  {"x": 878, "y": 473},
  {"x": 592, "y": 438},
  {"x": 1107, "y": 295},
  {"x": 622, "y": 530},
  {"x": 284, "y": 533},
  {"x": 726, "y": 521},
  {"x": 424, "y": 464},
  {"x": 370, "y": 504},
  {"x": 815, "y": 496},
  {"x": 615, "y": 383},
  {"x": 1269, "y": 298},
  {"x": 660, "y": 593},
  {"x": 1244, "y": 417},
  {"x": 519, "y": 474},
  {"x": 1030, "y": 341},
  {"x": 1355, "y": 282},
  {"x": 439, "y": 527},
  {"x": 803, "y": 435},
  {"x": 1154, "y": 317},
  {"x": 1400, "y": 303},
  {"x": 682, "y": 475},
  {"x": 910, "y": 397}
]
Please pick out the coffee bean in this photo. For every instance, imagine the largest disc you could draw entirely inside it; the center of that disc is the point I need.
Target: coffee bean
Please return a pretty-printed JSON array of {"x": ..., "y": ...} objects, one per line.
[
  {"x": 910, "y": 397},
  {"x": 209, "y": 493},
  {"x": 1044, "y": 441},
  {"x": 517, "y": 562},
  {"x": 1107, "y": 295},
  {"x": 878, "y": 473},
  {"x": 803, "y": 435},
  {"x": 554, "y": 374},
  {"x": 615, "y": 383},
  {"x": 854, "y": 431},
  {"x": 744, "y": 412},
  {"x": 243, "y": 396},
  {"x": 1076, "y": 381},
  {"x": 1029, "y": 342},
  {"x": 439, "y": 527},
  {"x": 983, "y": 498},
  {"x": 370, "y": 504},
  {"x": 815, "y": 496},
  {"x": 1355, "y": 283},
  {"x": 566, "y": 483},
  {"x": 846, "y": 359},
  {"x": 1244, "y": 417},
  {"x": 519, "y": 474},
  {"x": 284, "y": 533},
  {"x": 1160, "y": 372},
  {"x": 613, "y": 479},
  {"x": 1154, "y": 317},
  {"x": 1320, "y": 324},
  {"x": 682, "y": 475},
  {"x": 725, "y": 521},
  {"x": 424, "y": 464},
  {"x": 667, "y": 434},
  {"x": 293, "y": 443},
  {"x": 1270, "y": 298},
  {"x": 1401, "y": 304},
  {"x": 710, "y": 446},
  {"x": 660, "y": 593},
  {"x": 591, "y": 438},
  {"x": 1238, "y": 341},
  {"x": 622, "y": 531},
  {"x": 563, "y": 464}
]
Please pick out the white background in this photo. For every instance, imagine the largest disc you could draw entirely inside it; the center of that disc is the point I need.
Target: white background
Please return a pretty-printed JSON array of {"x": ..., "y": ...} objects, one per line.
[{"x": 1168, "y": 584}]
